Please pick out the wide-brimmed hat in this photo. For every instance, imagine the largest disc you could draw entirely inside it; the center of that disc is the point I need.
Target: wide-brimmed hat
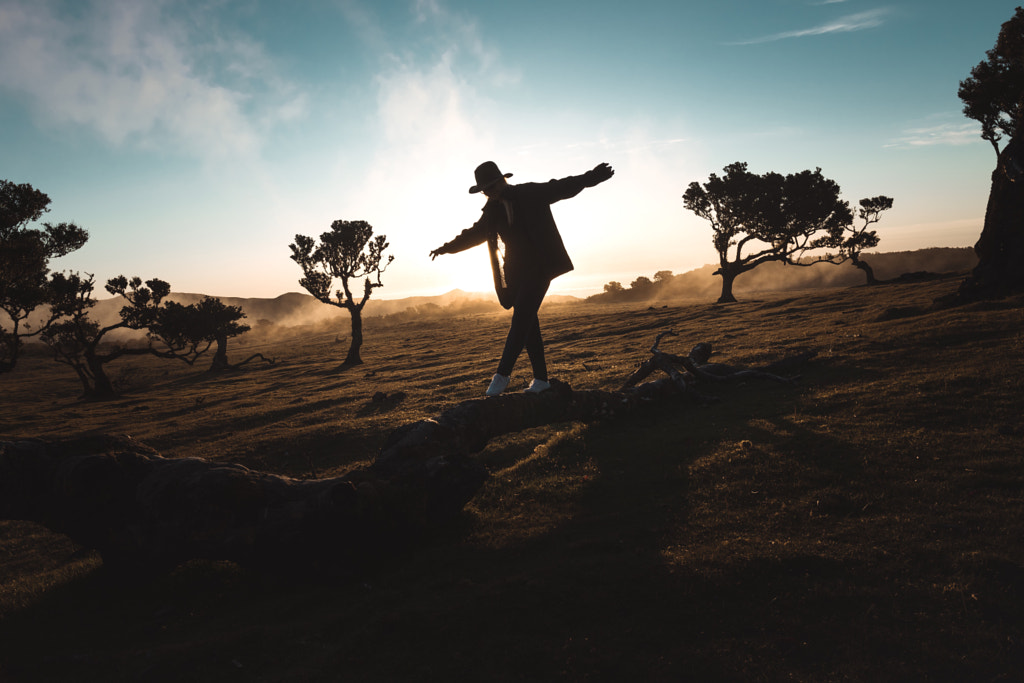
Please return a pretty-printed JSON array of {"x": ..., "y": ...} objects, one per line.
[{"x": 487, "y": 174}]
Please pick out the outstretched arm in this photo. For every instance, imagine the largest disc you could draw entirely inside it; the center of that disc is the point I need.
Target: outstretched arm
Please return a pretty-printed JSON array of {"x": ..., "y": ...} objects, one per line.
[
  {"x": 598, "y": 174},
  {"x": 556, "y": 190},
  {"x": 470, "y": 237}
]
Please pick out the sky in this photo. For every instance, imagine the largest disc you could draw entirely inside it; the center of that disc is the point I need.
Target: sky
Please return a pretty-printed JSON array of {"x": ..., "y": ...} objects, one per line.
[{"x": 195, "y": 139}]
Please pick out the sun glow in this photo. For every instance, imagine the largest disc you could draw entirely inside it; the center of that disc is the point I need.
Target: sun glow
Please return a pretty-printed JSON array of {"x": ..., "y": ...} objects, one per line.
[{"x": 469, "y": 271}]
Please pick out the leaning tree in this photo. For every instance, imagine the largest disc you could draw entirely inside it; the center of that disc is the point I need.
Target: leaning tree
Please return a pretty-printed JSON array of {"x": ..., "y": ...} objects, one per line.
[
  {"x": 25, "y": 253},
  {"x": 857, "y": 238},
  {"x": 348, "y": 251},
  {"x": 769, "y": 217},
  {"x": 993, "y": 95}
]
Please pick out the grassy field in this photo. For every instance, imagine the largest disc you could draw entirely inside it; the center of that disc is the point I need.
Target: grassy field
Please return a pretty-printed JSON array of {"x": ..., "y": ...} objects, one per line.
[{"x": 865, "y": 525}]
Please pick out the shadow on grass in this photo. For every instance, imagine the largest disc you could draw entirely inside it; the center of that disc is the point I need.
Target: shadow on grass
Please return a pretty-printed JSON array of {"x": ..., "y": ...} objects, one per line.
[{"x": 626, "y": 581}]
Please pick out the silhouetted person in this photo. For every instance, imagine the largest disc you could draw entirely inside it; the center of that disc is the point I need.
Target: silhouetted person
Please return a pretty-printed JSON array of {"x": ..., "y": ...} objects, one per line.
[{"x": 520, "y": 216}]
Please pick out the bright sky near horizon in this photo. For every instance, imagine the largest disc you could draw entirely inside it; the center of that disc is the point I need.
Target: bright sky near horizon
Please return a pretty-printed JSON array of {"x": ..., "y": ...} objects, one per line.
[{"x": 194, "y": 139}]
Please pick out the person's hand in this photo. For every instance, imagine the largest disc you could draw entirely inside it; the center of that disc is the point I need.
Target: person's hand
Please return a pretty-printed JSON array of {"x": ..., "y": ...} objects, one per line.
[
  {"x": 602, "y": 172},
  {"x": 434, "y": 254}
]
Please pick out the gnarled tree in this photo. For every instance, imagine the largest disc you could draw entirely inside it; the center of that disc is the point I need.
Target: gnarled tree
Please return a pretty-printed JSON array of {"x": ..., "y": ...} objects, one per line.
[
  {"x": 769, "y": 217},
  {"x": 857, "y": 238},
  {"x": 993, "y": 95},
  {"x": 25, "y": 253},
  {"x": 349, "y": 251},
  {"x": 77, "y": 340}
]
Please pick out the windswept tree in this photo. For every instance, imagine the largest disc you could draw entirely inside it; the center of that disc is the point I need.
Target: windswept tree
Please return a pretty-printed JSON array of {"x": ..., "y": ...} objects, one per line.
[
  {"x": 25, "y": 254},
  {"x": 188, "y": 332},
  {"x": 77, "y": 339},
  {"x": 858, "y": 238},
  {"x": 993, "y": 95},
  {"x": 769, "y": 217},
  {"x": 346, "y": 253}
]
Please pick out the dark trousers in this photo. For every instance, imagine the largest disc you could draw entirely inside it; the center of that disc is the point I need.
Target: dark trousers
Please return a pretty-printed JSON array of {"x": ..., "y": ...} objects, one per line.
[{"x": 524, "y": 331}]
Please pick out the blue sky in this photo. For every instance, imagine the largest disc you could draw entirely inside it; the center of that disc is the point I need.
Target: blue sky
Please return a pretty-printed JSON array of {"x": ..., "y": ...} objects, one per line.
[{"x": 195, "y": 139}]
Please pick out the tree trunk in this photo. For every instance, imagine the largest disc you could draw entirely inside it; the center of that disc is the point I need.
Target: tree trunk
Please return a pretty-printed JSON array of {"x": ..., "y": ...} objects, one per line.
[
  {"x": 353, "y": 357},
  {"x": 10, "y": 344},
  {"x": 728, "y": 277},
  {"x": 868, "y": 270},
  {"x": 220, "y": 356},
  {"x": 83, "y": 377},
  {"x": 1000, "y": 248},
  {"x": 102, "y": 388}
]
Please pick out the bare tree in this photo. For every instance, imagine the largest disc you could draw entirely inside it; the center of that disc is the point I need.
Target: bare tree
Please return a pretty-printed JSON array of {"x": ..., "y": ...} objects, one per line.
[{"x": 348, "y": 251}]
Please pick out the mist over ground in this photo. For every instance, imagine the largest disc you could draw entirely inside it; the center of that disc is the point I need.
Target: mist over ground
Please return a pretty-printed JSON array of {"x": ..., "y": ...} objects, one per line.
[
  {"x": 295, "y": 312},
  {"x": 702, "y": 284}
]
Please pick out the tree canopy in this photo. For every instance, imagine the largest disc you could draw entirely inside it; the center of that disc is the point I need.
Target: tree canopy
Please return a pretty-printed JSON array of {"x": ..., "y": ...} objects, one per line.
[
  {"x": 993, "y": 94},
  {"x": 187, "y": 332},
  {"x": 768, "y": 217},
  {"x": 25, "y": 254}
]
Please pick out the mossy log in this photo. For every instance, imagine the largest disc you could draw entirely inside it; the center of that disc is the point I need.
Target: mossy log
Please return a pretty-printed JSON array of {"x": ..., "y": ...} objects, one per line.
[{"x": 143, "y": 511}]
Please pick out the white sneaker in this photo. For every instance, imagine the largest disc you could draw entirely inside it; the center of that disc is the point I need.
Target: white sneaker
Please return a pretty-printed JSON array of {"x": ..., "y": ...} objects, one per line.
[
  {"x": 498, "y": 385},
  {"x": 537, "y": 386}
]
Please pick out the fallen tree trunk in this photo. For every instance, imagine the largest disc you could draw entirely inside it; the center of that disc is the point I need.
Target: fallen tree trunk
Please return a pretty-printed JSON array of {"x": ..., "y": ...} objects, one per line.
[{"x": 144, "y": 511}]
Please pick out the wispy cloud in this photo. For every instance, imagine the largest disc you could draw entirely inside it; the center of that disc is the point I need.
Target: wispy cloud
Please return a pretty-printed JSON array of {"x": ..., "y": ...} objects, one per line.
[
  {"x": 425, "y": 9},
  {"x": 944, "y": 134},
  {"x": 429, "y": 126},
  {"x": 139, "y": 76},
  {"x": 603, "y": 146},
  {"x": 845, "y": 24}
]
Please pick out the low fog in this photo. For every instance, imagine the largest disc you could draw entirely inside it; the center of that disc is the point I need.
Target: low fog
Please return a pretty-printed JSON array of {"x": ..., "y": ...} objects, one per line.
[
  {"x": 296, "y": 313},
  {"x": 702, "y": 285}
]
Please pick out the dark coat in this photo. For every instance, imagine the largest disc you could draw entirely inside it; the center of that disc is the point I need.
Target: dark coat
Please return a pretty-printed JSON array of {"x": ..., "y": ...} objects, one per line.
[{"x": 533, "y": 246}]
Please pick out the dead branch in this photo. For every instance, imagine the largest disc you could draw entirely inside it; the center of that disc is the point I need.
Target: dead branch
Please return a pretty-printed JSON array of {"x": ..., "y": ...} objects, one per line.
[
  {"x": 696, "y": 367},
  {"x": 260, "y": 356},
  {"x": 269, "y": 361}
]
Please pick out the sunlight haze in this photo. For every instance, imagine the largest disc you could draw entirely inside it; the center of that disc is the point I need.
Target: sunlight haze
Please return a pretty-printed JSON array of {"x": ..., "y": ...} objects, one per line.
[{"x": 194, "y": 140}]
